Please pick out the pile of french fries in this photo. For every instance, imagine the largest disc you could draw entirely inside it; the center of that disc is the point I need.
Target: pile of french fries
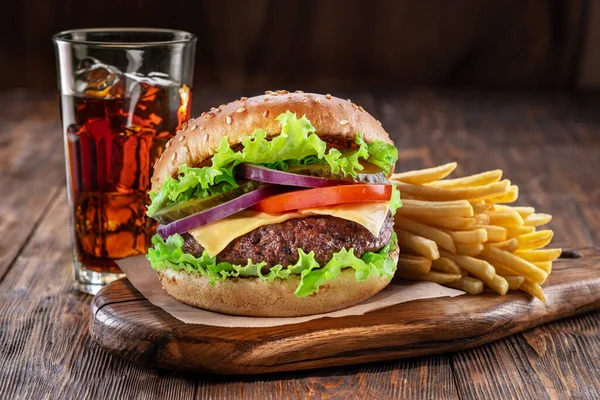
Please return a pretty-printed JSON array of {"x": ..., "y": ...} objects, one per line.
[{"x": 458, "y": 233}]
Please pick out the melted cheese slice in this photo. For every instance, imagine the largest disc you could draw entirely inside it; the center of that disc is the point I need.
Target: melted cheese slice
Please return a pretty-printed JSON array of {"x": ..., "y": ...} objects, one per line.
[{"x": 215, "y": 236}]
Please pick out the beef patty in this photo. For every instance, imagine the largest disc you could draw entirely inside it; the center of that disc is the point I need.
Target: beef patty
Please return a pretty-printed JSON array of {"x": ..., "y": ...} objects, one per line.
[{"x": 278, "y": 243}]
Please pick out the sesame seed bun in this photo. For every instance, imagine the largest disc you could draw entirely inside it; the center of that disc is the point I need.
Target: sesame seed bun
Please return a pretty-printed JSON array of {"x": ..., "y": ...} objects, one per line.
[
  {"x": 336, "y": 121},
  {"x": 257, "y": 298}
]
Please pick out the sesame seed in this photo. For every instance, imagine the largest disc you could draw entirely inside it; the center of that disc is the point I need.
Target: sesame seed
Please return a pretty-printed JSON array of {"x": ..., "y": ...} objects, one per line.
[
  {"x": 213, "y": 109},
  {"x": 266, "y": 114},
  {"x": 186, "y": 149},
  {"x": 241, "y": 109},
  {"x": 174, "y": 157},
  {"x": 193, "y": 128},
  {"x": 209, "y": 115},
  {"x": 304, "y": 100},
  {"x": 328, "y": 96},
  {"x": 361, "y": 108},
  {"x": 168, "y": 144},
  {"x": 228, "y": 120},
  {"x": 344, "y": 122},
  {"x": 289, "y": 96},
  {"x": 266, "y": 98},
  {"x": 380, "y": 122},
  {"x": 274, "y": 94},
  {"x": 318, "y": 101},
  {"x": 184, "y": 126},
  {"x": 341, "y": 105},
  {"x": 349, "y": 101},
  {"x": 243, "y": 98},
  {"x": 222, "y": 105},
  {"x": 281, "y": 91},
  {"x": 298, "y": 91},
  {"x": 268, "y": 91},
  {"x": 203, "y": 114},
  {"x": 181, "y": 138},
  {"x": 205, "y": 138},
  {"x": 202, "y": 128},
  {"x": 353, "y": 106}
]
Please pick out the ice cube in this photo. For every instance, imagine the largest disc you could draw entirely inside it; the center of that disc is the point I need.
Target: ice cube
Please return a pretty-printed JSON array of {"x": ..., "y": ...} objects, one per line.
[
  {"x": 96, "y": 79},
  {"x": 151, "y": 79}
]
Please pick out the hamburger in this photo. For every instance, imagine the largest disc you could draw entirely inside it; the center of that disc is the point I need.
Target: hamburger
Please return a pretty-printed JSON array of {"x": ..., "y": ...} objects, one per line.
[{"x": 277, "y": 205}]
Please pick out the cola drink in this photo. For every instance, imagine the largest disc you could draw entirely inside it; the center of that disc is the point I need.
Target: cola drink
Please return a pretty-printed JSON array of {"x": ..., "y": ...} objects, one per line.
[{"x": 116, "y": 128}]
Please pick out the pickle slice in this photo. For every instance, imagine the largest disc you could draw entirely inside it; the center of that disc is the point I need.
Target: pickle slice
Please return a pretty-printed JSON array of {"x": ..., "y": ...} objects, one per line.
[
  {"x": 177, "y": 211},
  {"x": 370, "y": 174}
]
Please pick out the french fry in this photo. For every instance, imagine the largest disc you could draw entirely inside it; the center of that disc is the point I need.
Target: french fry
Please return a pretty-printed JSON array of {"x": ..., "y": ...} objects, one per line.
[
  {"x": 504, "y": 218},
  {"x": 482, "y": 219},
  {"x": 535, "y": 240},
  {"x": 471, "y": 249},
  {"x": 460, "y": 193},
  {"x": 417, "y": 244},
  {"x": 494, "y": 233},
  {"x": 469, "y": 237},
  {"x": 498, "y": 284},
  {"x": 444, "y": 264},
  {"x": 480, "y": 206},
  {"x": 458, "y": 208},
  {"x": 453, "y": 223},
  {"x": 537, "y": 219},
  {"x": 474, "y": 234},
  {"x": 545, "y": 265},
  {"x": 504, "y": 271},
  {"x": 520, "y": 266},
  {"x": 533, "y": 289},
  {"x": 431, "y": 276},
  {"x": 425, "y": 175},
  {"x": 418, "y": 264},
  {"x": 524, "y": 212},
  {"x": 509, "y": 197},
  {"x": 478, "y": 268},
  {"x": 539, "y": 255},
  {"x": 514, "y": 281},
  {"x": 467, "y": 284},
  {"x": 440, "y": 237},
  {"x": 509, "y": 245},
  {"x": 480, "y": 179},
  {"x": 513, "y": 231}
]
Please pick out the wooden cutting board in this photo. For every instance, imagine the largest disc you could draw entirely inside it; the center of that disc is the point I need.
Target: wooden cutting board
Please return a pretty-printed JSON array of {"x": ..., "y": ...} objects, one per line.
[{"x": 128, "y": 325}]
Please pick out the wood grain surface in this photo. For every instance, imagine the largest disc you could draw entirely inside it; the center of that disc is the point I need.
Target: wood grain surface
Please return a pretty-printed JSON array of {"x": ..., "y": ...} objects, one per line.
[
  {"x": 547, "y": 143},
  {"x": 128, "y": 325}
]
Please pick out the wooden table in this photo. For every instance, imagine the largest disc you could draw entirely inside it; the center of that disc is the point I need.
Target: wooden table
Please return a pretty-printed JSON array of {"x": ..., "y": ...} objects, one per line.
[{"x": 549, "y": 144}]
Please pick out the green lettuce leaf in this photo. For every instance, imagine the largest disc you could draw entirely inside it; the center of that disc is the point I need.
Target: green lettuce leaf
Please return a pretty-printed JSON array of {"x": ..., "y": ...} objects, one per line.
[
  {"x": 395, "y": 202},
  {"x": 169, "y": 254},
  {"x": 297, "y": 144}
]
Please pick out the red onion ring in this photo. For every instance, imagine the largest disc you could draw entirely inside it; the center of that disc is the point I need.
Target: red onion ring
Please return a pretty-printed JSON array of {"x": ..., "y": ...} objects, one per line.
[
  {"x": 216, "y": 213},
  {"x": 268, "y": 175}
]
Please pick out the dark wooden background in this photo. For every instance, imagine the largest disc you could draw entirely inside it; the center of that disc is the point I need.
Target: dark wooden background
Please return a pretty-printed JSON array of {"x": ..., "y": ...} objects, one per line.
[{"x": 326, "y": 45}]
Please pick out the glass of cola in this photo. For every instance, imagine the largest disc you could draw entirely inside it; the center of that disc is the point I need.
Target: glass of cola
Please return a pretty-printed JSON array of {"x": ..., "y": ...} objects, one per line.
[{"x": 124, "y": 92}]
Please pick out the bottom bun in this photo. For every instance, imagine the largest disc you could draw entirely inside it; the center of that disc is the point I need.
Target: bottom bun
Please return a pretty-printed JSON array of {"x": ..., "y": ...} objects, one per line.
[{"x": 257, "y": 298}]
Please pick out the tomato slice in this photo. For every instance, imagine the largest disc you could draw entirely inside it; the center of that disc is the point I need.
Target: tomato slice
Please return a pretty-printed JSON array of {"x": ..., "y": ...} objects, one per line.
[{"x": 326, "y": 196}]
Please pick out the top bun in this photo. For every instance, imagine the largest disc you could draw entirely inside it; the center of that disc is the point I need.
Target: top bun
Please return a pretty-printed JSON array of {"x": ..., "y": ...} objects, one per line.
[{"x": 336, "y": 121}]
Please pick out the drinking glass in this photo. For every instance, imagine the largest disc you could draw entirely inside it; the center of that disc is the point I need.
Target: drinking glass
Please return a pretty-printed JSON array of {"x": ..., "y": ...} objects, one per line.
[{"x": 124, "y": 92}]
